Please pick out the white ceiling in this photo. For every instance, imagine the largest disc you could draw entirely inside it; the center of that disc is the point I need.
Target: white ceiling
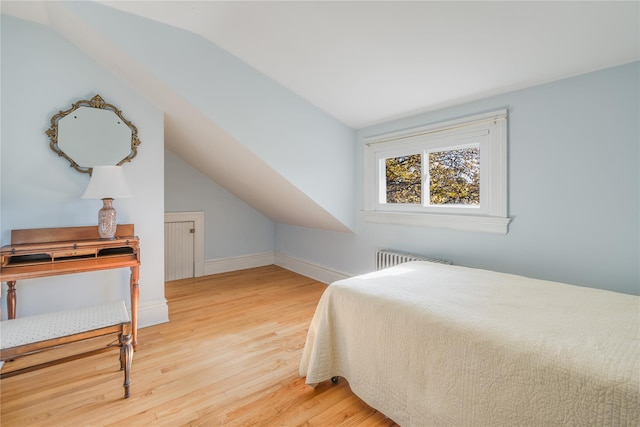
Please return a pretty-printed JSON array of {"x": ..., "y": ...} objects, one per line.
[
  {"x": 365, "y": 62},
  {"x": 368, "y": 61}
]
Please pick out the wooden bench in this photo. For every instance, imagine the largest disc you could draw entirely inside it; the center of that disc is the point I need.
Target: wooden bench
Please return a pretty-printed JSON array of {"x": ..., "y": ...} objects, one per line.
[{"x": 34, "y": 334}]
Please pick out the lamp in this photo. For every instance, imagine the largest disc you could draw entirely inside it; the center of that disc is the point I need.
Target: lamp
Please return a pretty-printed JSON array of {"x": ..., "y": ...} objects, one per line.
[{"x": 107, "y": 183}]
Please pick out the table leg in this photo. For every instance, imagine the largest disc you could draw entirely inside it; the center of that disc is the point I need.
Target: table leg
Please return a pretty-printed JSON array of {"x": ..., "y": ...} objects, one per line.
[
  {"x": 126, "y": 355},
  {"x": 11, "y": 299},
  {"x": 135, "y": 272}
]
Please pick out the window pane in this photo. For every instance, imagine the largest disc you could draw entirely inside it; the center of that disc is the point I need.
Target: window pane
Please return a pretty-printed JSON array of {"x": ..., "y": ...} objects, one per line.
[
  {"x": 454, "y": 177},
  {"x": 404, "y": 179}
]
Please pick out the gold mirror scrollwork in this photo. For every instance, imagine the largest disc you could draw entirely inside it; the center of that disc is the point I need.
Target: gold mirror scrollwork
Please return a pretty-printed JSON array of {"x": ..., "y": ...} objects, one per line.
[{"x": 93, "y": 132}]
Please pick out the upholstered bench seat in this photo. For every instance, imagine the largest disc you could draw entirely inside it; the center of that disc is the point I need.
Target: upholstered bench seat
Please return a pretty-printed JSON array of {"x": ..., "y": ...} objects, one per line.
[
  {"x": 42, "y": 327},
  {"x": 26, "y": 335}
]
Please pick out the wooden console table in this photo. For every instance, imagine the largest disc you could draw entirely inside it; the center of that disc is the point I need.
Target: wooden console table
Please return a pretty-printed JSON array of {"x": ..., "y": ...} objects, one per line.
[{"x": 44, "y": 252}]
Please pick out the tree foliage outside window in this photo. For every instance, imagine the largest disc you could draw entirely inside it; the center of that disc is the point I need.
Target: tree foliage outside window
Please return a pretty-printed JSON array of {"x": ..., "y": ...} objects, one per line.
[
  {"x": 404, "y": 179},
  {"x": 454, "y": 177}
]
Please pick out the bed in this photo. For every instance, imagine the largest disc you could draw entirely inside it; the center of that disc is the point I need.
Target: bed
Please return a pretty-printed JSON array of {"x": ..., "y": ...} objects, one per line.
[{"x": 437, "y": 345}]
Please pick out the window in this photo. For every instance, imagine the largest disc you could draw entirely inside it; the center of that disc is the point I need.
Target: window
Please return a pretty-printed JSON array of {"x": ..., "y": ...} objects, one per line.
[{"x": 450, "y": 175}]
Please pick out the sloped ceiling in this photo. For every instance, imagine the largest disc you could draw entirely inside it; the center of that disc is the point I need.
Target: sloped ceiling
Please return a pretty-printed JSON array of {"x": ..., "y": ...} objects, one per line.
[{"x": 362, "y": 63}]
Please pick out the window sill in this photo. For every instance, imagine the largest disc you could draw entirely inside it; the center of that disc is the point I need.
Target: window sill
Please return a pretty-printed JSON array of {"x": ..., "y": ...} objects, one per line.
[{"x": 486, "y": 224}]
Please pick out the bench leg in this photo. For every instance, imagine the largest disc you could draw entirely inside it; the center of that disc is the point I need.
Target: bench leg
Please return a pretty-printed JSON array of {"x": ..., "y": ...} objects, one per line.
[{"x": 126, "y": 358}]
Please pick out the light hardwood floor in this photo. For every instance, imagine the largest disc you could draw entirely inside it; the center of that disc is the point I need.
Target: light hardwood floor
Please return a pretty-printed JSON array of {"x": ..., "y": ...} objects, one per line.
[{"x": 228, "y": 356}]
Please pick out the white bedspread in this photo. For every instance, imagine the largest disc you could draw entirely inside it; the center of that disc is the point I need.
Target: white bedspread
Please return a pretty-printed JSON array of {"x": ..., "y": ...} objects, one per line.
[{"x": 435, "y": 345}]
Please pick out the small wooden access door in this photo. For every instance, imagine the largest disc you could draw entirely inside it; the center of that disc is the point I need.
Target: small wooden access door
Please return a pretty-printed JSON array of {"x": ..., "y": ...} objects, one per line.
[{"x": 179, "y": 250}]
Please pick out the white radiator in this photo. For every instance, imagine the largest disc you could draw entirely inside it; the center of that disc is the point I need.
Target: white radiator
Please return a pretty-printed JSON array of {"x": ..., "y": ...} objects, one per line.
[{"x": 388, "y": 258}]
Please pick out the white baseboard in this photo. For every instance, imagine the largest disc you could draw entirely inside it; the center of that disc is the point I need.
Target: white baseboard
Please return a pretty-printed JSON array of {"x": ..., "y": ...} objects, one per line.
[
  {"x": 223, "y": 265},
  {"x": 306, "y": 268},
  {"x": 153, "y": 313}
]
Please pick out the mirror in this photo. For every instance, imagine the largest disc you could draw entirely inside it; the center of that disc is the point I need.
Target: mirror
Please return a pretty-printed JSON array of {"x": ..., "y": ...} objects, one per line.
[{"x": 92, "y": 133}]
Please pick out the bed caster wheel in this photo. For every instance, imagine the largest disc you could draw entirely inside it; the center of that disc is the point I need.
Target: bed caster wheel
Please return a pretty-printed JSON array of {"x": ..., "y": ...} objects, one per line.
[{"x": 335, "y": 380}]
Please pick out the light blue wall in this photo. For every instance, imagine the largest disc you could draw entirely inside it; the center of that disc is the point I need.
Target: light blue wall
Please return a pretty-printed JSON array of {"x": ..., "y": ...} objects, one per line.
[
  {"x": 232, "y": 228},
  {"x": 41, "y": 75},
  {"x": 574, "y": 189},
  {"x": 572, "y": 144},
  {"x": 298, "y": 140}
]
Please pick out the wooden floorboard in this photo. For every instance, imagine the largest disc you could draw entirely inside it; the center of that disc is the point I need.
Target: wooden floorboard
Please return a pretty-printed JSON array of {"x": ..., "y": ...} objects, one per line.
[{"x": 228, "y": 357}]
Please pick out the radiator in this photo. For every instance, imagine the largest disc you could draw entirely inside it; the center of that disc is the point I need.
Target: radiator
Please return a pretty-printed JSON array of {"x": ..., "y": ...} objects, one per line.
[{"x": 388, "y": 258}]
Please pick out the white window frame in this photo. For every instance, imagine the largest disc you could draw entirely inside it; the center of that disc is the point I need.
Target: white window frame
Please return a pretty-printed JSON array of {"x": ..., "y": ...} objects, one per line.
[{"x": 488, "y": 131}]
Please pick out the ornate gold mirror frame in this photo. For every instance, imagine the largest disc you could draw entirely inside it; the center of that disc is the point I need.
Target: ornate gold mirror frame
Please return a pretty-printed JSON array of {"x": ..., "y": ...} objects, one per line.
[{"x": 95, "y": 134}]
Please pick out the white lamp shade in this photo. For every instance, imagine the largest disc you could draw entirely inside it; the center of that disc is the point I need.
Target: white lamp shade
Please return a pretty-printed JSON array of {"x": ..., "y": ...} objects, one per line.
[{"x": 107, "y": 182}]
